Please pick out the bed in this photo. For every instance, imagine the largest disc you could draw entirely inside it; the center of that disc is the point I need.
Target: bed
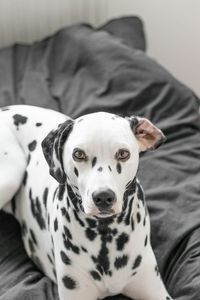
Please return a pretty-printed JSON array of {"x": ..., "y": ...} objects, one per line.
[{"x": 82, "y": 69}]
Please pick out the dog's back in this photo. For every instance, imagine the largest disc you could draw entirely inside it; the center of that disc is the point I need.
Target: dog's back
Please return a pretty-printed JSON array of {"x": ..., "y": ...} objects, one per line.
[
  {"x": 24, "y": 172},
  {"x": 22, "y": 129}
]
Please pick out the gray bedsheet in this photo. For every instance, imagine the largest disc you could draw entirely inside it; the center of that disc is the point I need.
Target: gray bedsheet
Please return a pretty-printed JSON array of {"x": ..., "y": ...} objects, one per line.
[{"x": 81, "y": 70}]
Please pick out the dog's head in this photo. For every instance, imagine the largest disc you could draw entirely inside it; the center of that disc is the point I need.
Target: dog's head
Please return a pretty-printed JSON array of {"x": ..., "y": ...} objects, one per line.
[{"x": 98, "y": 154}]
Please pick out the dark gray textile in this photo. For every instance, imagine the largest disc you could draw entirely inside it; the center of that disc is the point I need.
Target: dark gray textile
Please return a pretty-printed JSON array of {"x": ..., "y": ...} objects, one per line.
[
  {"x": 81, "y": 70},
  {"x": 129, "y": 30}
]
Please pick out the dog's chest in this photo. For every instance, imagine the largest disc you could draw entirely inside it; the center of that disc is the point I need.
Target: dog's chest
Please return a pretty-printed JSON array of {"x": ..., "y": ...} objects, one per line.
[{"x": 108, "y": 251}]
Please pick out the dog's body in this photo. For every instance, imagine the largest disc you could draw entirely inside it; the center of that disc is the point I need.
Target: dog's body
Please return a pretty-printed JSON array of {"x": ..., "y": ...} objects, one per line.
[{"x": 90, "y": 251}]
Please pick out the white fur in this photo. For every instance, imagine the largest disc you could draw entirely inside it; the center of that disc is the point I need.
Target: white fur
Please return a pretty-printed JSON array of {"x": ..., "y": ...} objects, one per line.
[{"x": 100, "y": 136}]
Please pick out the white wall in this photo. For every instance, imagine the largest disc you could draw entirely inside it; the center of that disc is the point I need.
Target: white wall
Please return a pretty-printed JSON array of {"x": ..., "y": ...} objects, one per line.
[
  {"x": 173, "y": 31},
  {"x": 172, "y": 26}
]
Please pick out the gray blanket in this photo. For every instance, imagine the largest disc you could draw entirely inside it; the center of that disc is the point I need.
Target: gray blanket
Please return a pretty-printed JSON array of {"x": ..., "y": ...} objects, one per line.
[{"x": 81, "y": 70}]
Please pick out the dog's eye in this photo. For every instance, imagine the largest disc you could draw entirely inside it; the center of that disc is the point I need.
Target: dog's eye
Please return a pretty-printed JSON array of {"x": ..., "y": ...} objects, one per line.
[
  {"x": 122, "y": 155},
  {"x": 79, "y": 155}
]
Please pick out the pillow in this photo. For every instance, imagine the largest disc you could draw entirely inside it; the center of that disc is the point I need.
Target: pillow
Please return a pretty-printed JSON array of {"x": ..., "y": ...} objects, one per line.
[{"x": 129, "y": 29}]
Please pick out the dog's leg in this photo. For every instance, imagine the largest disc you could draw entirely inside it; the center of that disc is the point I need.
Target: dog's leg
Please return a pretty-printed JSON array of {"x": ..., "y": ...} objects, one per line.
[
  {"x": 147, "y": 285},
  {"x": 76, "y": 286},
  {"x": 12, "y": 164},
  {"x": 74, "y": 282}
]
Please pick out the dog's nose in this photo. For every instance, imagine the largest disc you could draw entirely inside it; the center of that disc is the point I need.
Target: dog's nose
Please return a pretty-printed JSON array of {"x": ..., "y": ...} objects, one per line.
[{"x": 104, "y": 199}]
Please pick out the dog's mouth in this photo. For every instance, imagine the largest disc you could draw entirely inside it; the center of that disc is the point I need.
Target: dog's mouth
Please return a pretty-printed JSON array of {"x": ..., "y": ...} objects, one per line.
[{"x": 106, "y": 214}]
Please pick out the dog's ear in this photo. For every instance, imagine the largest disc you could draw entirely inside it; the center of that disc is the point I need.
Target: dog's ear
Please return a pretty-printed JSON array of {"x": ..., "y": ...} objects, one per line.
[
  {"x": 147, "y": 134},
  {"x": 52, "y": 147}
]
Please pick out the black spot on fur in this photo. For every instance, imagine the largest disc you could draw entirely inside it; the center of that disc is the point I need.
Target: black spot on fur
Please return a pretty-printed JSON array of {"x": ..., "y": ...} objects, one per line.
[
  {"x": 100, "y": 169},
  {"x": 78, "y": 218},
  {"x": 28, "y": 159},
  {"x": 144, "y": 221},
  {"x": 73, "y": 197},
  {"x": 54, "y": 273},
  {"x": 110, "y": 168},
  {"x": 45, "y": 196},
  {"x": 31, "y": 246},
  {"x": 146, "y": 240},
  {"x": 76, "y": 172},
  {"x": 69, "y": 283},
  {"x": 122, "y": 239},
  {"x": 94, "y": 160},
  {"x": 95, "y": 275},
  {"x": 68, "y": 203},
  {"x": 5, "y": 108},
  {"x": 67, "y": 233},
  {"x": 33, "y": 237},
  {"x": 120, "y": 218},
  {"x": 100, "y": 269},
  {"x": 132, "y": 224},
  {"x": 94, "y": 259},
  {"x": 103, "y": 259},
  {"x": 70, "y": 246},
  {"x": 65, "y": 214},
  {"x": 90, "y": 234},
  {"x": 130, "y": 191},
  {"x": 108, "y": 238},
  {"x": 119, "y": 168},
  {"x": 128, "y": 183},
  {"x": 137, "y": 262},
  {"x": 55, "y": 224},
  {"x": 121, "y": 262},
  {"x": 84, "y": 249},
  {"x": 66, "y": 260},
  {"x": 24, "y": 228},
  {"x": 19, "y": 120},
  {"x": 114, "y": 231},
  {"x": 157, "y": 270},
  {"x": 38, "y": 124},
  {"x": 167, "y": 298},
  {"x": 103, "y": 225},
  {"x": 91, "y": 222},
  {"x": 52, "y": 251},
  {"x": 50, "y": 259},
  {"x": 25, "y": 178},
  {"x": 61, "y": 191},
  {"x": 32, "y": 146},
  {"x": 48, "y": 220},
  {"x": 138, "y": 217},
  {"x": 76, "y": 187},
  {"x": 128, "y": 216}
]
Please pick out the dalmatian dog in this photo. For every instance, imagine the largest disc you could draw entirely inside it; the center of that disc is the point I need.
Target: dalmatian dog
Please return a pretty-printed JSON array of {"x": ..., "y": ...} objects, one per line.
[{"x": 86, "y": 226}]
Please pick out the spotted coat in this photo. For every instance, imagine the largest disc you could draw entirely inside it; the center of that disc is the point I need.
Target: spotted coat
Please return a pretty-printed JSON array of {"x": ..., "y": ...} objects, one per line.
[{"x": 88, "y": 257}]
